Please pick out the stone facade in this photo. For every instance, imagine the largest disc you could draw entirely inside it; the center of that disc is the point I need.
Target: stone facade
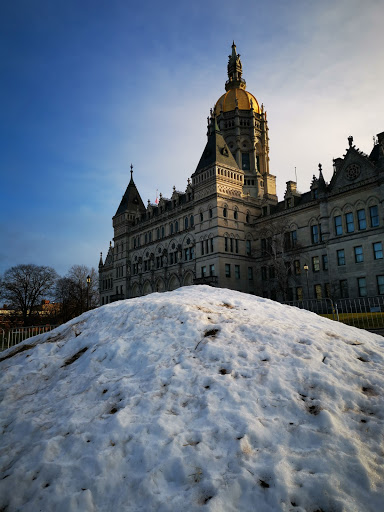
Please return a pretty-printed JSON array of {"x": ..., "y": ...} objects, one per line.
[{"x": 228, "y": 229}]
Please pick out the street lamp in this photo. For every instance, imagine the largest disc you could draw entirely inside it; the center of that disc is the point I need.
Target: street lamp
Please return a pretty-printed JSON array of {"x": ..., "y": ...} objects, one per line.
[
  {"x": 88, "y": 283},
  {"x": 306, "y": 268}
]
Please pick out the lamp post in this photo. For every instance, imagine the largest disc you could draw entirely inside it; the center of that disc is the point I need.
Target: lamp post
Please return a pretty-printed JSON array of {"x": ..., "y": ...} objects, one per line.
[
  {"x": 88, "y": 283},
  {"x": 306, "y": 268}
]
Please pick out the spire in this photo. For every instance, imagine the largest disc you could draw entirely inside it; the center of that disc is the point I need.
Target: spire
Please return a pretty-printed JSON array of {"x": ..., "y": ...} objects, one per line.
[
  {"x": 131, "y": 200},
  {"x": 235, "y": 71},
  {"x": 101, "y": 260}
]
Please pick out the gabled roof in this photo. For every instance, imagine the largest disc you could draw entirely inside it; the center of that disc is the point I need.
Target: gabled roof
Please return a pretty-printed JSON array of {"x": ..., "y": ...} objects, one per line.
[
  {"x": 131, "y": 200},
  {"x": 216, "y": 151}
]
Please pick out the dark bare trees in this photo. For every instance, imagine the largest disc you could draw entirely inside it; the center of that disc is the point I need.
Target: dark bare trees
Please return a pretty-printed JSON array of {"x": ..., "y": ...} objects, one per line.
[
  {"x": 279, "y": 255},
  {"x": 23, "y": 287},
  {"x": 77, "y": 291}
]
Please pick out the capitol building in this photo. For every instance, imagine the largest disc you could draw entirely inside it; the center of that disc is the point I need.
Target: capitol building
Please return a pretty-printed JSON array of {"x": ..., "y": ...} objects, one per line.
[{"x": 228, "y": 228}]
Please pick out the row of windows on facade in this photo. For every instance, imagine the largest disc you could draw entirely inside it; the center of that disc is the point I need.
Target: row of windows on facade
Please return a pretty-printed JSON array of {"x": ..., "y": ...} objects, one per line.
[
  {"x": 160, "y": 232},
  {"x": 290, "y": 238},
  {"x": 349, "y": 224},
  {"x": 324, "y": 291},
  {"x": 295, "y": 267},
  {"x": 163, "y": 260}
]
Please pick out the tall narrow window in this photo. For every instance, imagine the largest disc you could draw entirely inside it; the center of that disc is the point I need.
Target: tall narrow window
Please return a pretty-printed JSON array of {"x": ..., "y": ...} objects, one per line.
[
  {"x": 235, "y": 214},
  {"x": 231, "y": 244},
  {"x": 338, "y": 225},
  {"x": 318, "y": 291},
  {"x": 224, "y": 212},
  {"x": 202, "y": 247},
  {"x": 374, "y": 215},
  {"x": 296, "y": 265},
  {"x": 245, "y": 162},
  {"x": 236, "y": 245},
  {"x": 250, "y": 274},
  {"x": 237, "y": 271},
  {"x": 186, "y": 223},
  {"x": 362, "y": 222},
  {"x": 211, "y": 242},
  {"x": 362, "y": 286},
  {"x": 299, "y": 293},
  {"x": 316, "y": 264},
  {"x": 349, "y": 222},
  {"x": 211, "y": 270},
  {"x": 325, "y": 261},
  {"x": 248, "y": 248},
  {"x": 380, "y": 284},
  {"x": 315, "y": 234},
  {"x": 210, "y": 213},
  {"x": 191, "y": 220},
  {"x": 359, "y": 256},
  {"x": 341, "y": 257},
  {"x": 226, "y": 244},
  {"x": 378, "y": 251},
  {"x": 344, "y": 289},
  {"x": 227, "y": 270}
]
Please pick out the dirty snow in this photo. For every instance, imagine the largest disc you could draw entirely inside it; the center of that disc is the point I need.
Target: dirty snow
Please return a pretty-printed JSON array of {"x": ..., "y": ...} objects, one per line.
[{"x": 197, "y": 399}]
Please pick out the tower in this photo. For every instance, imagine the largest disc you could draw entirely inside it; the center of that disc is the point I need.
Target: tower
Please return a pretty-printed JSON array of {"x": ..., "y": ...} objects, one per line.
[{"x": 243, "y": 124}]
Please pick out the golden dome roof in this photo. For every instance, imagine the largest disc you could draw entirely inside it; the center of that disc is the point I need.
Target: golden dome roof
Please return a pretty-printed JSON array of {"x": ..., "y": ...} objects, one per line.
[{"x": 244, "y": 100}]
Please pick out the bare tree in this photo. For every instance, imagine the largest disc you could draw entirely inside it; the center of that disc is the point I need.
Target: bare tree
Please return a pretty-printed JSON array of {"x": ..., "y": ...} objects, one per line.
[
  {"x": 279, "y": 252},
  {"x": 25, "y": 286},
  {"x": 75, "y": 293}
]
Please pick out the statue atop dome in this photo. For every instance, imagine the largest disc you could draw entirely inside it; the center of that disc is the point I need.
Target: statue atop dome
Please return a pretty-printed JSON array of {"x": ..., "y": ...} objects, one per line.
[{"x": 235, "y": 71}]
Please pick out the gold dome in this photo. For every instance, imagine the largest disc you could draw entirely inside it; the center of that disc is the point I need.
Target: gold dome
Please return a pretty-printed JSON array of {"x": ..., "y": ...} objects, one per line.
[{"x": 245, "y": 101}]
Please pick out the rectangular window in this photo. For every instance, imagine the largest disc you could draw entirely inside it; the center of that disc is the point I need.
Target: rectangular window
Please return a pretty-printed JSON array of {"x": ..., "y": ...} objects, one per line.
[
  {"x": 227, "y": 270},
  {"x": 211, "y": 270},
  {"x": 299, "y": 293},
  {"x": 202, "y": 248},
  {"x": 361, "y": 219},
  {"x": 374, "y": 215},
  {"x": 349, "y": 222},
  {"x": 250, "y": 274},
  {"x": 338, "y": 225},
  {"x": 315, "y": 234},
  {"x": 325, "y": 261},
  {"x": 341, "y": 257},
  {"x": 318, "y": 291},
  {"x": 293, "y": 238},
  {"x": 362, "y": 285},
  {"x": 245, "y": 162},
  {"x": 380, "y": 284},
  {"x": 343, "y": 289},
  {"x": 231, "y": 244},
  {"x": 264, "y": 274},
  {"x": 237, "y": 271},
  {"x": 211, "y": 244},
  {"x": 316, "y": 264},
  {"x": 359, "y": 256},
  {"x": 297, "y": 268},
  {"x": 203, "y": 271},
  {"x": 236, "y": 245},
  {"x": 327, "y": 288},
  {"x": 206, "y": 247},
  {"x": 378, "y": 251},
  {"x": 226, "y": 244},
  {"x": 248, "y": 247}
]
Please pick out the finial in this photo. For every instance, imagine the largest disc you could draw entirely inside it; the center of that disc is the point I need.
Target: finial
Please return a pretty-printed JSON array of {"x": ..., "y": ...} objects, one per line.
[
  {"x": 320, "y": 168},
  {"x": 131, "y": 171},
  {"x": 188, "y": 181},
  {"x": 149, "y": 202},
  {"x": 161, "y": 195},
  {"x": 374, "y": 140},
  {"x": 174, "y": 188},
  {"x": 350, "y": 140},
  {"x": 110, "y": 244}
]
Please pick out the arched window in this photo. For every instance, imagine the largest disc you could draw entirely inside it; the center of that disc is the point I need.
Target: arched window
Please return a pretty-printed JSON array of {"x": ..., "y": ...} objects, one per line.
[
  {"x": 201, "y": 217},
  {"x": 247, "y": 219},
  {"x": 171, "y": 228},
  {"x": 235, "y": 214},
  {"x": 191, "y": 220},
  {"x": 162, "y": 232},
  {"x": 224, "y": 211},
  {"x": 186, "y": 223},
  {"x": 210, "y": 213},
  {"x": 177, "y": 226},
  {"x": 158, "y": 233}
]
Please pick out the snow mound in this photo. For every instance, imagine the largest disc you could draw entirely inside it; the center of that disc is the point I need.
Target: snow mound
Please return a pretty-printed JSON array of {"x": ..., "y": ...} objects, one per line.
[{"x": 195, "y": 399}]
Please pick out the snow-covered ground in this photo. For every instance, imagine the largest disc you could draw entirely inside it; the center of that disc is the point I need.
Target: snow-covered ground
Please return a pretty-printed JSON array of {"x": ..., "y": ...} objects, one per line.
[{"x": 200, "y": 398}]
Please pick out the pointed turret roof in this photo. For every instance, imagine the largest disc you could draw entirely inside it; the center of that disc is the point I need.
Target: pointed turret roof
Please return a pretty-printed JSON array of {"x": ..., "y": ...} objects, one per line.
[
  {"x": 216, "y": 150},
  {"x": 131, "y": 200}
]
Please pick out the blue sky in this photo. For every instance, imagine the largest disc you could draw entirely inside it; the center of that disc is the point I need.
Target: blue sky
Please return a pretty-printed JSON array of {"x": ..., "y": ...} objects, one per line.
[{"x": 87, "y": 87}]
